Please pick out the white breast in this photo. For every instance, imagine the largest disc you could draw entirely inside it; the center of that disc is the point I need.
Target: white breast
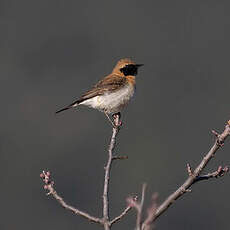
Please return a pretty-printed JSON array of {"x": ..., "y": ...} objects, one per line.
[{"x": 111, "y": 102}]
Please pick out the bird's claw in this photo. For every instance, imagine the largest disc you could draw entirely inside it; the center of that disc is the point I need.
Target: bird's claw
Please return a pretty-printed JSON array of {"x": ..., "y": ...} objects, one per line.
[
  {"x": 116, "y": 120},
  {"x": 116, "y": 126}
]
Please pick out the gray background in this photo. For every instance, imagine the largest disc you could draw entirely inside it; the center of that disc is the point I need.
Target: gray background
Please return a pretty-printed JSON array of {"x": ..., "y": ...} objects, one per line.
[{"x": 52, "y": 51}]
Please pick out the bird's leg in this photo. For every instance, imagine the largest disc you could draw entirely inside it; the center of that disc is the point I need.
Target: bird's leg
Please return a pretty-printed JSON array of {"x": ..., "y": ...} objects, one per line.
[
  {"x": 107, "y": 115},
  {"x": 115, "y": 115}
]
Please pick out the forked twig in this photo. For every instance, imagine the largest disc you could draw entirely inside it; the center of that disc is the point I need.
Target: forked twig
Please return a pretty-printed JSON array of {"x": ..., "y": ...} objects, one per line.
[
  {"x": 153, "y": 211},
  {"x": 49, "y": 185},
  {"x": 195, "y": 176},
  {"x": 105, "y": 220}
]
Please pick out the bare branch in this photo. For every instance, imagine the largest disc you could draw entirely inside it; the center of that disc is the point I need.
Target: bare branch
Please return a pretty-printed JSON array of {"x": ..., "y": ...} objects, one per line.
[
  {"x": 194, "y": 176},
  {"x": 147, "y": 224},
  {"x": 105, "y": 221},
  {"x": 126, "y": 210},
  {"x": 107, "y": 172},
  {"x": 218, "y": 173},
  {"x": 138, "y": 206},
  {"x": 49, "y": 185},
  {"x": 154, "y": 211}
]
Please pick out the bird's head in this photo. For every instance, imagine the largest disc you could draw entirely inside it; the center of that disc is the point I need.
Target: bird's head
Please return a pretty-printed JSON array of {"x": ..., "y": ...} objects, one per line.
[{"x": 126, "y": 67}]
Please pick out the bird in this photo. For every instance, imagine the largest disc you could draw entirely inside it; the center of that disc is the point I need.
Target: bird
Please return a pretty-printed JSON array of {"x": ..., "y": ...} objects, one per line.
[{"x": 111, "y": 94}]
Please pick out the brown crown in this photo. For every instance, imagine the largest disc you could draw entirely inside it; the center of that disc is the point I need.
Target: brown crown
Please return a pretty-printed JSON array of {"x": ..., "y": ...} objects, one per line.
[{"x": 122, "y": 63}]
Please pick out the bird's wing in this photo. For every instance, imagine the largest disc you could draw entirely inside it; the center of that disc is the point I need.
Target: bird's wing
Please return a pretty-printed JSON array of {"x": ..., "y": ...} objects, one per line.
[{"x": 110, "y": 82}]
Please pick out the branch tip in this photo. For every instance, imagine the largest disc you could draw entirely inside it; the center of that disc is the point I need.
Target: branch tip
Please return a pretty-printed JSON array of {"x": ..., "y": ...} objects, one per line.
[
  {"x": 189, "y": 170},
  {"x": 126, "y": 210},
  {"x": 196, "y": 173},
  {"x": 221, "y": 171},
  {"x": 132, "y": 201},
  {"x": 49, "y": 185}
]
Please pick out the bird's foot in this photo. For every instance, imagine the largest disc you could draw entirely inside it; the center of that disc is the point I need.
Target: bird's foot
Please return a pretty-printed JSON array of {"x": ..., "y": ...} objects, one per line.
[{"x": 116, "y": 120}]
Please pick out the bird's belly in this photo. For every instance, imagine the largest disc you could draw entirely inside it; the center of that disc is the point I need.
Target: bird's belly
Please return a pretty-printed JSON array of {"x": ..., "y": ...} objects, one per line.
[{"x": 112, "y": 102}]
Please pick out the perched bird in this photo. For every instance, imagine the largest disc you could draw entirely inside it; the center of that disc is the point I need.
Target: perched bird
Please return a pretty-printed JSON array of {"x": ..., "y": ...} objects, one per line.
[{"x": 111, "y": 94}]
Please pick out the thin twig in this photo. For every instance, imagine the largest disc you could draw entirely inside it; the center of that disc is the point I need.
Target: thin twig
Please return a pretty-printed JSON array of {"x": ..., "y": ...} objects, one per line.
[
  {"x": 107, "y": 173},
  {"x": 140, "y": 208},
  {"x": 148, "y": 223},
  {"x": 49, "y": 185},
  {"x": 126, "y": 210},
  {"x": 189, "y": 170},
  {"x": 220, "y": 139},
  {"x": 216, "y": 174}
]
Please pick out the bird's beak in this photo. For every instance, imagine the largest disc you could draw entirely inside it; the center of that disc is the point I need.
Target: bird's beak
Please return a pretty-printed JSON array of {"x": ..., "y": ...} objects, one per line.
[{"x": 139, "y": 65}]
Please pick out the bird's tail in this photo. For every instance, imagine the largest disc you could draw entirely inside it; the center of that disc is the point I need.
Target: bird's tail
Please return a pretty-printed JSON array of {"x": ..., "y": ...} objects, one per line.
[{"x": 76, "y": 103}]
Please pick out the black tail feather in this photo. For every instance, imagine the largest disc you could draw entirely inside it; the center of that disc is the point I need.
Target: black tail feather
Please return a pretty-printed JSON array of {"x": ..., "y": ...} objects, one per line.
[
  {"x": 66, "y": 108},
  {"x": 74, "y": 104}
]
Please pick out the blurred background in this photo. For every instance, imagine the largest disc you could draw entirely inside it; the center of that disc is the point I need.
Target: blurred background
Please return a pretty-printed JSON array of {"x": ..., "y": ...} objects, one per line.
[{"x": 52, "y": 51}]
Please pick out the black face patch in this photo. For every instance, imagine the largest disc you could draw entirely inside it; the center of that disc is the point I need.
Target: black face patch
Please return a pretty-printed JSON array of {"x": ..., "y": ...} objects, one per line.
[{"x": 129, "y": 70}]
